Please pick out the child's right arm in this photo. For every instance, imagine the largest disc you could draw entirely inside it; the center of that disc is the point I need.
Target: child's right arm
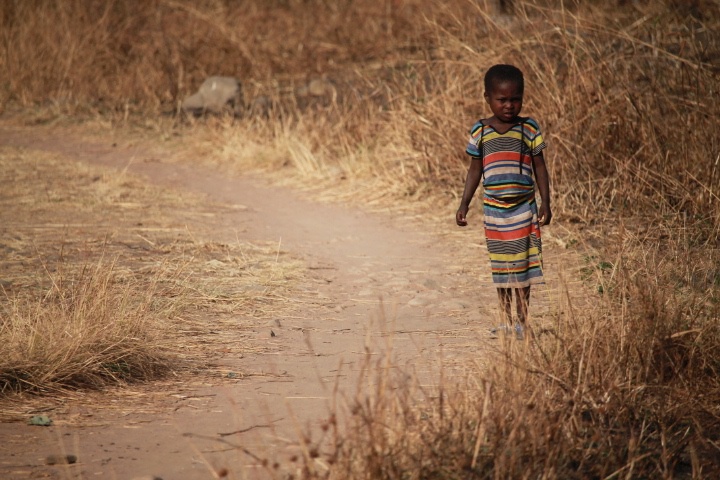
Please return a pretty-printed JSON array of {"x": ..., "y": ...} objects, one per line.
[
  {"x": 543, "y": 184},
  {"x": 471, "y": 183}
]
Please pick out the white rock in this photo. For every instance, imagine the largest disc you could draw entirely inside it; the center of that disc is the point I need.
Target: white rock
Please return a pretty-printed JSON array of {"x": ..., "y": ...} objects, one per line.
[{"x": 216, "y": 95}]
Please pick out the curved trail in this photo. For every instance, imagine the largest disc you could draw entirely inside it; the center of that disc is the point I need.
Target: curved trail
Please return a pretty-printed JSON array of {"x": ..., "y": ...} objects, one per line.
[{"x": 374, "y": 280}]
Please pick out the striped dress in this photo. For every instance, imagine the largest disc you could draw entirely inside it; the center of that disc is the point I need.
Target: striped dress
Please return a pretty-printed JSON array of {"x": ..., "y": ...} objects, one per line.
[{"x": 511, "y": 217}]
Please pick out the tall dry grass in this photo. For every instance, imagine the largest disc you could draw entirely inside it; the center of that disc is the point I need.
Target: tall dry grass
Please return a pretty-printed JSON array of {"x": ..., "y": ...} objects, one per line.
[
  {"x": 141, "y": 55},
  {"x": 627, "y": 95},
  {"x": 87, "y": 331},
  {"x": 106, "y": 280},
  {"x": 626, "y": 389},
  {"x": 605, "y": 82}
]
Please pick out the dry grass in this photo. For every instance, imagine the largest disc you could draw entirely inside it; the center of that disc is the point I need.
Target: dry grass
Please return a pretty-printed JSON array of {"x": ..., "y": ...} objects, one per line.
[
  {"x": 88, "y": 330},
  {"x": 626, "y": 389},
  {"x": 627, "y": 94},
  {"x": 104, "y": 282},
  {"x": 604, "y": 85},
  {"x": 133, "y": 55}
]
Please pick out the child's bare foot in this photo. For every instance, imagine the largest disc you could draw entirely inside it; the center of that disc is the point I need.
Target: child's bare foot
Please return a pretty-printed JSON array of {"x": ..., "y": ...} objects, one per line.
[{"x": 502, "y": 330}]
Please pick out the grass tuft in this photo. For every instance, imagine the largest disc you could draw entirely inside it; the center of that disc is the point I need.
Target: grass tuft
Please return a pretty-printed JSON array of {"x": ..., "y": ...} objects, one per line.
[{"x": 88, "y": 330}]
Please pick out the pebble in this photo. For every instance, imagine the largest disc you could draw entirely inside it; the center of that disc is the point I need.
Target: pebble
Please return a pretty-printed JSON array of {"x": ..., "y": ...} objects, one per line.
[
  {"x": 60, "y": 459},
  {"x": 419, "y": 301}
]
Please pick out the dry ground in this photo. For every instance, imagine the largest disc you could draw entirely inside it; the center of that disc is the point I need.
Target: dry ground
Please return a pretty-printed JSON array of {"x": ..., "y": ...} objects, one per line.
[{"x": 266, "y": 371}]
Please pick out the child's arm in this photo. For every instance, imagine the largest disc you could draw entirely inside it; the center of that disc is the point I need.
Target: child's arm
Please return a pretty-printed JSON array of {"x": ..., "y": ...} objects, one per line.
[
  {"x": 471, "y": 183},
  {"x": 543, "y": 182}
]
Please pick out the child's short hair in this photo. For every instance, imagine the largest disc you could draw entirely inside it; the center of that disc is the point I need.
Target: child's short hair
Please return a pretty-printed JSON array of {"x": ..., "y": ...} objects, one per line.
[{"x": 504, "y": 73}]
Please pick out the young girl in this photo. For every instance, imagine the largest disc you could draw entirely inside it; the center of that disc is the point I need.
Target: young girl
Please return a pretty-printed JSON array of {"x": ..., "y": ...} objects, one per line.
[{"x": 506, "y": 150}]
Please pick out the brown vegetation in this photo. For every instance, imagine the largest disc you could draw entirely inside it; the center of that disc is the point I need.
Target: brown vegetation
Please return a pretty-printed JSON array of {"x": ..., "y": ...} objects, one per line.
[
  {"x": 123, "y": 291},
  {"x": 628, "y": 98}
]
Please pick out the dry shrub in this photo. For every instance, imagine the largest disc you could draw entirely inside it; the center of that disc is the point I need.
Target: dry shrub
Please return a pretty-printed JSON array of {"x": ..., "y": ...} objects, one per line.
[
  {"x": 134, "y": 53},
  {"x": 168, "y": 298},
  {"x": 624, "y": 94},
  {"x": 629, "y": 388},
  {"x": 89, "y": 329},
  {"x": 627, "y": 94}
]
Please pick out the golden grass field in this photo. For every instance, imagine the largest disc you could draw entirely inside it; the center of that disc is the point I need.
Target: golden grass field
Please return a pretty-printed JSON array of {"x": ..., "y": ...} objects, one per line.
[{"x": 626, "y": 91}]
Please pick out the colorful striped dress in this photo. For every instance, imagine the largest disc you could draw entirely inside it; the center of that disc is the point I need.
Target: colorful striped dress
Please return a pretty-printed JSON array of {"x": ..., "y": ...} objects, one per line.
[{"x": 511, "y": 216}]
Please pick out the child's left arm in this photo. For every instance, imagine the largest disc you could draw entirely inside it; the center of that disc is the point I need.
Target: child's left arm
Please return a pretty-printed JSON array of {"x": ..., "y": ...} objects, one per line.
[{"x": 542, "y": 180}]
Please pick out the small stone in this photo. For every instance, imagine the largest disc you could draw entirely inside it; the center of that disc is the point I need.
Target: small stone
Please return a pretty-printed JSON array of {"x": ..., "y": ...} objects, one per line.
[
  {"x": 320, "y": 88},
  {"x": 60, "y": 459},
  {"x": 216, "y": 94},
  {"x": 215, "y": 264},
  {"x": 418, "y": 302},
  {"x": 261, "y": 106},
  {"x": 40, "y": 420},
  {"x": 316, "y": 88}
]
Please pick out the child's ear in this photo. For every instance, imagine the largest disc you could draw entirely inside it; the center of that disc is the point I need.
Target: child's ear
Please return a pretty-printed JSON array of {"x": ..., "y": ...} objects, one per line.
[{"x": 487, "y": 97}]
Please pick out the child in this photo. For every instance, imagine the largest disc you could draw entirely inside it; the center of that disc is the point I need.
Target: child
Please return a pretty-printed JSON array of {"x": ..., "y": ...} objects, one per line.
[{"x": 506, "y": 150}]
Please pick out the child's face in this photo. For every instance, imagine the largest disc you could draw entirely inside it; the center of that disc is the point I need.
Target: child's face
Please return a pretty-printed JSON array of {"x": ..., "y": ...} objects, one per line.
[{"x": 505, "y": 100}]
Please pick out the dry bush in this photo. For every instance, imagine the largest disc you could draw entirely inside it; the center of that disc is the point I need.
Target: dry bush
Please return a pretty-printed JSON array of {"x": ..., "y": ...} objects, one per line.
[
  {"x": 88, "y": 330},
  {"x": 133, "y": 53},
  {"x": 625, "y": 96},
  {"x": 90, "y": 325},
  {"x": 627, "y": 389},
  {"x": 626, "y": 93},
  {"x": 108, "y": 280}
]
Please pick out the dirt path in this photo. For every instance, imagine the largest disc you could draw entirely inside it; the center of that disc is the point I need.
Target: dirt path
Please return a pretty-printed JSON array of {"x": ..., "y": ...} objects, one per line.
[{"x": 381, "y": 278}]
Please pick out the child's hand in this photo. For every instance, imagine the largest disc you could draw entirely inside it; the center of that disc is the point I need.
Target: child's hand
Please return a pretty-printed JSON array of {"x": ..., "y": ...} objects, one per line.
[
  {"x": 544, "y": 215},
  {"x": 461, "y": 216}
]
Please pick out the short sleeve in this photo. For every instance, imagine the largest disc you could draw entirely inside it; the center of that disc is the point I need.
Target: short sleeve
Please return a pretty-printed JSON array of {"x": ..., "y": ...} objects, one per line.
[
  {"x": 533, "y": 137},
  {"x": 473, "y": 146}
]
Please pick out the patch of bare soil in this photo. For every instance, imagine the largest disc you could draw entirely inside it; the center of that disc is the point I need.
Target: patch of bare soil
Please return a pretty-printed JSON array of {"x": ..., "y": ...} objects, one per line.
[{"x": 371, "y": 281}]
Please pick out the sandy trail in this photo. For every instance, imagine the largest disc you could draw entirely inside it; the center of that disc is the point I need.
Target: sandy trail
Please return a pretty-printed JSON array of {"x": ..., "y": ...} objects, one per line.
[{"x": 377, "y": 278}]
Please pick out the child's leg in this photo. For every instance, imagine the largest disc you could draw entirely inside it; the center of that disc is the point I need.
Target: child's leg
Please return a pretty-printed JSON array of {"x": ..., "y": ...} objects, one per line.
[
  {"x": 523, "y": 300},
  {"x": 505, "y": 297}
]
